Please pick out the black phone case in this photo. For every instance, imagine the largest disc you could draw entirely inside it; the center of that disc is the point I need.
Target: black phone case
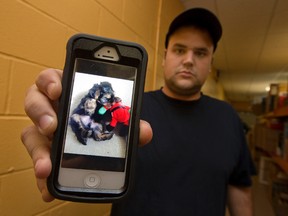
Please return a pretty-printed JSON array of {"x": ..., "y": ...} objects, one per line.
[{"x": 89, "y": 42}]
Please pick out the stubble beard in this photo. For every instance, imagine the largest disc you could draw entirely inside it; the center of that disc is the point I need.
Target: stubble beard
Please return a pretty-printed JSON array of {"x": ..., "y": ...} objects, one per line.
[{"x": 183, "y": 90}]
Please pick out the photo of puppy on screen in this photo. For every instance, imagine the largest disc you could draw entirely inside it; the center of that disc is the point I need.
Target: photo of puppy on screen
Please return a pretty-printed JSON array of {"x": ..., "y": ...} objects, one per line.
[{"x": 99, "y": 117}]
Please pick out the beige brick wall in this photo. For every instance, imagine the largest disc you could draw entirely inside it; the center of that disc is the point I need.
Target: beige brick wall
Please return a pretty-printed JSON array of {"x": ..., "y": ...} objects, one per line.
[{"x": 33, "y": 35}]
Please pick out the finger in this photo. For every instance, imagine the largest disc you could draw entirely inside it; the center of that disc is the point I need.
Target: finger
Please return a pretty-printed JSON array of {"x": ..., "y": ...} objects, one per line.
[
  {"x": 42, "y": 185},
  {"x": 39, "y": 109},
  {"x": 38, "y": 147},
  {"x": 49, "y": 83},
  {"x": 146, "y": 133}
]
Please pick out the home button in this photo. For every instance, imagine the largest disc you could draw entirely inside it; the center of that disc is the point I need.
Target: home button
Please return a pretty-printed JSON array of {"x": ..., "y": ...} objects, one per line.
[{"x": 92, "y": 181}]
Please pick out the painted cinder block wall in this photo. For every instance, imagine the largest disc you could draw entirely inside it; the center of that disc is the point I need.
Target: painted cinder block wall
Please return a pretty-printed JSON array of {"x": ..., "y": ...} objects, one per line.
[{"x": 33, "y": 36}]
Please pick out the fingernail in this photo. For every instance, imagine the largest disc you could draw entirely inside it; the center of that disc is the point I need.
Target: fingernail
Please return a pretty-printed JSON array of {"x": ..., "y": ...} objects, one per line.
[
  {"x": 45, "y": 122},
  {"x": 50, "y": 88}
]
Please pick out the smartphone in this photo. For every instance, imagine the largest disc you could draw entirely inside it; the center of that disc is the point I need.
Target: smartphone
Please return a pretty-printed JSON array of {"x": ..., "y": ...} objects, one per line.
[{"x": 94, "y": 147}]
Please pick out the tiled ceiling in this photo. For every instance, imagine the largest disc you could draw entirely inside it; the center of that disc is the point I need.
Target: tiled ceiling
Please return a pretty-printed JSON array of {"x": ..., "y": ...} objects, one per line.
[{"x": 253, "y": 52}]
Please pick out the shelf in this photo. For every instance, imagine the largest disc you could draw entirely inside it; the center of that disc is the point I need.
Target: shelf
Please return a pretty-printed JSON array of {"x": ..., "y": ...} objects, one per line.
[
  {"x": 281, "y": 163},
  {"x": 281, "y": 112},
  {"x": 277, "y": 113}
]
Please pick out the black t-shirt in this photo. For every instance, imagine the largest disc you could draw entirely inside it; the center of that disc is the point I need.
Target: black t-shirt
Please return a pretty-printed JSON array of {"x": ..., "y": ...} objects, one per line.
[{"x": 198, "y": 148}]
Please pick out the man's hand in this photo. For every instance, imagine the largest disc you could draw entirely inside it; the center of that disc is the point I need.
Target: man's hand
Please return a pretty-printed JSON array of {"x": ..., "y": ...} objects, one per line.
[{"x": 41, "y": 106}]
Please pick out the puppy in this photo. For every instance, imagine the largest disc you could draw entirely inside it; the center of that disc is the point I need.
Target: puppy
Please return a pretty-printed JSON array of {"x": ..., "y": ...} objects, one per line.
[{"x": 83, "y": 125}]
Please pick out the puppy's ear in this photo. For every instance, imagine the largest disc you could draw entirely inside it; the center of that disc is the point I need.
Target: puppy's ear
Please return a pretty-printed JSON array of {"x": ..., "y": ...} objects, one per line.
[{"x": 97, "y": 94}]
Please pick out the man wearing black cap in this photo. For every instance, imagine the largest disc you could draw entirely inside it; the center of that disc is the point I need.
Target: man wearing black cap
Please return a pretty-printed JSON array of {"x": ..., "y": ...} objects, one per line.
[{"x": 197, "y": 161}]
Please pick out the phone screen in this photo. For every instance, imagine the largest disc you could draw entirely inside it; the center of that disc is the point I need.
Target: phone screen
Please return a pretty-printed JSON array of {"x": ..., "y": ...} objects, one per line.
[{"x": 96, "y": 136}]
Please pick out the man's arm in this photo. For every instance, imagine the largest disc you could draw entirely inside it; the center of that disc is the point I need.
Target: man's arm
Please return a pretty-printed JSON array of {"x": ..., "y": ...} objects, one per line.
[{"x": 240, "y": 201}]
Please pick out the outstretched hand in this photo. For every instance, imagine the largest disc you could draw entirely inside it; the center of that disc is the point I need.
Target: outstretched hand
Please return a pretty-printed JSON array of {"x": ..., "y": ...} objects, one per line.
[{"x": 41, "y": 106}]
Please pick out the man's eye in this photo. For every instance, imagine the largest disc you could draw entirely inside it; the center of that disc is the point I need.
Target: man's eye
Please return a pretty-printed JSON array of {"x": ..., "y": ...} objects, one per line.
[
  {"x": 179, "y": 51},
  {"x": 200, "y": 53}
]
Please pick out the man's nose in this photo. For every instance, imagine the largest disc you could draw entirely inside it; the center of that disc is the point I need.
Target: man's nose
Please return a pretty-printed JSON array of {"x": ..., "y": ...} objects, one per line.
[{"x": 188, "y": 58}]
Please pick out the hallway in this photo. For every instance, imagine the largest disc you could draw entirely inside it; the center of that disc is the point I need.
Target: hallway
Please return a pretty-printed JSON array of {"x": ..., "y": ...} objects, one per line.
[{"x": 262, "y": 204}]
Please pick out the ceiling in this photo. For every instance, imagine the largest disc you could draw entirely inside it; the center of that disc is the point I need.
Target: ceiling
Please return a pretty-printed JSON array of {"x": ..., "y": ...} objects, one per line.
[{"x": 253, "y": 51}]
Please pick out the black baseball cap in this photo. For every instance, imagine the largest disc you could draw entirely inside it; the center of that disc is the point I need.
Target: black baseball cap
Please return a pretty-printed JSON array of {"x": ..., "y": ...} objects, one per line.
[{"x": 198, "y": 17}]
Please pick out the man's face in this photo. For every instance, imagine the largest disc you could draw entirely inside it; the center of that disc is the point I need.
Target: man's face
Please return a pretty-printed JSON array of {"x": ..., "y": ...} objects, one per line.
[{"x": 187, "y": 62}]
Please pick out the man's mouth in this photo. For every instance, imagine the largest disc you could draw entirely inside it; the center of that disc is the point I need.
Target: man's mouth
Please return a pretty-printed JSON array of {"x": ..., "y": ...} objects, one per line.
[{"x": 186, "y": 73}]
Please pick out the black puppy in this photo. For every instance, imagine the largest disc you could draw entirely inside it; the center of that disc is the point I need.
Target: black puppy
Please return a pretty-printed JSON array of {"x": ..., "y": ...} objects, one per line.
[{"x": 86, "y": 121}]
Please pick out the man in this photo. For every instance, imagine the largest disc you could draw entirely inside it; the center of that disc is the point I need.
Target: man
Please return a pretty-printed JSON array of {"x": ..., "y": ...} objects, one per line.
[{"x": 197, "y": 160}]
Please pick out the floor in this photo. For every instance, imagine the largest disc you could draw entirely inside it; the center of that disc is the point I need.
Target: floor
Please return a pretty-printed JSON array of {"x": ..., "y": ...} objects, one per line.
[
  {"x": 262, "y": 204},
  {"x": 114, "y": 147}
]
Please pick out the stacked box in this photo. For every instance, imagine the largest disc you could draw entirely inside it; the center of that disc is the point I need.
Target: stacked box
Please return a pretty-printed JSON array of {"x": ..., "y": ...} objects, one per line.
[
  {"x": 280, "y": 196},
  {"x": 267, "y": 139}
]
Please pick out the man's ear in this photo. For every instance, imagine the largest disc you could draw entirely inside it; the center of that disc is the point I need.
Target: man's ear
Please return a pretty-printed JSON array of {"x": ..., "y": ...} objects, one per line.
[
  {"x": 164, "y": 58},
  {"x": 211, "y": 65}
]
